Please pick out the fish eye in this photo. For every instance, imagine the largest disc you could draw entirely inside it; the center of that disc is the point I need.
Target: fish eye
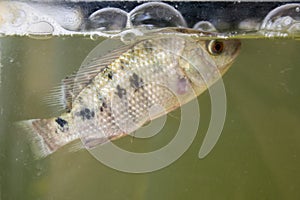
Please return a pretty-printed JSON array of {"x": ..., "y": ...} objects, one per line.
[{"x": 215, "y": 47}]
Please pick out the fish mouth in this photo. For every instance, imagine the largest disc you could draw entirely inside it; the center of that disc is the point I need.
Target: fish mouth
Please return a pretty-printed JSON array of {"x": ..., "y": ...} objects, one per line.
[{"x": 235, "y": 52}]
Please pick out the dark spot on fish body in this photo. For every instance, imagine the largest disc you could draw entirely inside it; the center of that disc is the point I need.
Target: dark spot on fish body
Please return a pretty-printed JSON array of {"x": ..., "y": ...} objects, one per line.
[
  {"x": 120, "y": 91},
  {"x": 103, "y": 106},
  {"x": 86, "y": 114},
  {"x": 182, "y": 85},
  {"x": 63, "y": 125},
  {"x": 135, "y": 81},
  {"x": 93, "y": 114},
  {"x": 130, "y": 51},
  {"x": 122, "y": 64},
  {"x": 82, "y": 114},
  {"x": 110, "y": 75},
  {"x": 61, "y": 122},
  {"x": 104, "y": 69},
  {"x": 80, "y": 100}
]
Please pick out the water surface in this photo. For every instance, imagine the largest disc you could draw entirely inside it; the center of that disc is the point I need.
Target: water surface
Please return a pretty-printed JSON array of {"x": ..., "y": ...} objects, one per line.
[{"x": 256, "y": 157}]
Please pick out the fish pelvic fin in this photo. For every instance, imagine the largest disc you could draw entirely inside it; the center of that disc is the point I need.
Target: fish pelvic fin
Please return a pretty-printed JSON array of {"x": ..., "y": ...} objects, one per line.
[{"x": 47, "y": 135}]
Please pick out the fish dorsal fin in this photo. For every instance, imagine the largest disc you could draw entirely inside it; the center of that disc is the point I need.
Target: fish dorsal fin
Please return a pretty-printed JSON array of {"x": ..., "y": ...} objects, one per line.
[{"x": 97, "y": 60}]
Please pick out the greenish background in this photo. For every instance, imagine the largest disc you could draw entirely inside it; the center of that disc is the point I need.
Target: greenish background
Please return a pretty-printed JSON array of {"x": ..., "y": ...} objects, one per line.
[{"x": 256, "y": 157}]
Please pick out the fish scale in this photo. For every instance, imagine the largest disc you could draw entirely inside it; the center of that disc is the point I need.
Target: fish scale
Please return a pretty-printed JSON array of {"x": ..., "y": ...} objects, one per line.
[{"x": 111, "y": 96}]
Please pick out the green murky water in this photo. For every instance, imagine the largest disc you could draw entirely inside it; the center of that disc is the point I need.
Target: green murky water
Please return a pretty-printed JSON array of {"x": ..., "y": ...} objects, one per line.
[{"x": 256, "y": 157}]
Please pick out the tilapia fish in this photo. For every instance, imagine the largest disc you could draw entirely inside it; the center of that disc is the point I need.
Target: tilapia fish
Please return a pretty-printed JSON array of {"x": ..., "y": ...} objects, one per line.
[{"x": 112, "y": 95}]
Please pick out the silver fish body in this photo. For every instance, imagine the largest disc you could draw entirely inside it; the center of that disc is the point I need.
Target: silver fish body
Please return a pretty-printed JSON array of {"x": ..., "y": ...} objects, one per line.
[{"x": 116, "y": 94}]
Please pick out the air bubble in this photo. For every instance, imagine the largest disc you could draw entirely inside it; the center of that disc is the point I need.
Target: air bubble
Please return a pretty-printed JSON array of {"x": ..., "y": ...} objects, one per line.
[
  {"x": 40, "y": 30},
  {"x": 18, "y": 18},
  {"x": 205, "y": 26},
  {"x": 284, "y": 18},
  {"x": 155, "y": 14},
  {"x": 66, "y": 17},
  {"x": 108, "y": 19}
]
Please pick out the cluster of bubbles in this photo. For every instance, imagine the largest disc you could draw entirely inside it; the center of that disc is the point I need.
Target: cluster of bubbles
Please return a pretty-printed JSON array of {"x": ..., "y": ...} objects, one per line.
[
  {"x": 20, "y": 18},
  {"x": 284, "y": 19}
]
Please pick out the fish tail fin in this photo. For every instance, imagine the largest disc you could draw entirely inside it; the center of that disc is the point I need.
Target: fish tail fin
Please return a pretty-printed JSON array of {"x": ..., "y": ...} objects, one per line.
[{"x": 46, "y": 135}]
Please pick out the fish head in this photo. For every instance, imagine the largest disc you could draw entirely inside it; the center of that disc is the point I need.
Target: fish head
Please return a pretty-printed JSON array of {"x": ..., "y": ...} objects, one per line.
[
  {"x": 208, "y": 60},
  {"x": 223, "y": 52}
]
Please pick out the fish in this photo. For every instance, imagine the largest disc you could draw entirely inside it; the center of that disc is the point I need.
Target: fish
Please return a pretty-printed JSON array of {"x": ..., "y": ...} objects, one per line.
[{"x": 110, "y": 97}]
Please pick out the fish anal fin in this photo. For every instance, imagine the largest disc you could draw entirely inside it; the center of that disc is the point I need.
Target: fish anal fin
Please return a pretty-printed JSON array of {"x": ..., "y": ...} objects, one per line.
[
  {"x": 94, "y": 142},
  {"x": 115, "y": 137}
]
